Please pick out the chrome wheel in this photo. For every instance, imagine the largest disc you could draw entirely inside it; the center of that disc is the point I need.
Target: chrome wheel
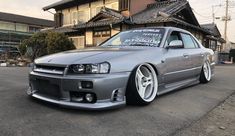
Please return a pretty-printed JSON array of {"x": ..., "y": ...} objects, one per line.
[
  {"x": 146, "y": 82},
  {"x": 207, "y": 71}
]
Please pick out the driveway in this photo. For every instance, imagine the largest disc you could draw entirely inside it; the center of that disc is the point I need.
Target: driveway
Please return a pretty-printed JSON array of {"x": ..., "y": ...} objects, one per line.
[{"x": 22, "y": 116}]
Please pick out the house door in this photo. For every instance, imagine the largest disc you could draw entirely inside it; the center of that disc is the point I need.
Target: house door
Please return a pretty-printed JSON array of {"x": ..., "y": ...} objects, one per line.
[{"x": 100, "y": 36}]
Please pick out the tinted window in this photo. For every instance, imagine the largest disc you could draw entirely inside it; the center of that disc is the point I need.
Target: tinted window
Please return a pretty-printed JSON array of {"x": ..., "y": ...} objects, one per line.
[{"x": 188, "y": 41}]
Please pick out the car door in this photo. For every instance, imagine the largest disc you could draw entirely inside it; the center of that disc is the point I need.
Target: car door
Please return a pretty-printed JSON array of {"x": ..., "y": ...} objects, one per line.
[
  {"x": 199, "y": 56},
  {"x": 177, "y": 61},
  {"x": 195, "y": 54}
]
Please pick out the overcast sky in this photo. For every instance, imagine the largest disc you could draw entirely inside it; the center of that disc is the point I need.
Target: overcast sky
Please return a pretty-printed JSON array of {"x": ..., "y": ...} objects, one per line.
[{"x": 202, "y": 9}]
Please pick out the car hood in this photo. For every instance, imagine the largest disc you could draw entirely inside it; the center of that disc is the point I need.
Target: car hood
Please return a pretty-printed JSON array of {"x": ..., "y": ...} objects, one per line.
[{"x": 90, "y": 55}]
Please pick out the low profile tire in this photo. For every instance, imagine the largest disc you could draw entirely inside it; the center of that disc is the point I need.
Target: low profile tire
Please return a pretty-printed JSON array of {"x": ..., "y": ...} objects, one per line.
[
  {"x": 205, "y": 76},
  {"x": 142, "y": 86}
]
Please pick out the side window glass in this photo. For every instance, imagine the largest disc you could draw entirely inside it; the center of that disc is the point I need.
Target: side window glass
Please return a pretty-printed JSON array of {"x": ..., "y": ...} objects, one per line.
[
  {"x": 188, "y": 41},
  {"x": 196, "y": 43},
  {"x": 174, "y": 36}
]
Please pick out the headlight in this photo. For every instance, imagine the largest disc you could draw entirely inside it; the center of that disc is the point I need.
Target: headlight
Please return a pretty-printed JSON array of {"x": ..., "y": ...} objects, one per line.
[{"x": 101, "y": 68}]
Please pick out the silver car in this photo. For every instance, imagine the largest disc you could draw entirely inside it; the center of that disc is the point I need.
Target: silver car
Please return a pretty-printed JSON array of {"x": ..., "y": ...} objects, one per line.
[{"x": 132, "y": 67}]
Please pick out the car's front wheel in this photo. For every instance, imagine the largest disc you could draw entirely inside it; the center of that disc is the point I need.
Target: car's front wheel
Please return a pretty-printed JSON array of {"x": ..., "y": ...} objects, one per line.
[
  {"x": 142, "y": 86},
  {"x": 205, "y": 76}
]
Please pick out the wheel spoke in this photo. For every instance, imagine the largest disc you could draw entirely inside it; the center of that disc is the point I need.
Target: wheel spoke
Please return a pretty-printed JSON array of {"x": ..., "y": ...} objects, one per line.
[
  {"x": 142, "y": 91},
  {"x": 140, "y": 74}
]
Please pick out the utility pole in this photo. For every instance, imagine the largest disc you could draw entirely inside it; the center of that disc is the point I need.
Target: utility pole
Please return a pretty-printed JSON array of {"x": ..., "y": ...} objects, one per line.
[{"x": 226, "y": 22}]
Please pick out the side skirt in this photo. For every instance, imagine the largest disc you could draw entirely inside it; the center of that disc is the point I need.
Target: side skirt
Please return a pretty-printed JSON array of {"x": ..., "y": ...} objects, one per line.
[{"x": 178, "y": 85}]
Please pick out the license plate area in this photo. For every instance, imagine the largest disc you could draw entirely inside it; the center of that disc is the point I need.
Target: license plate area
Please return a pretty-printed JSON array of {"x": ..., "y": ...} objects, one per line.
[{"x": 46, "y": 88}]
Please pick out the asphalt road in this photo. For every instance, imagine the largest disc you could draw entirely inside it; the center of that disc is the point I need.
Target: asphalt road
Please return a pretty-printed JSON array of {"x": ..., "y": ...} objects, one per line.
[{"x": 21, "y": 116}]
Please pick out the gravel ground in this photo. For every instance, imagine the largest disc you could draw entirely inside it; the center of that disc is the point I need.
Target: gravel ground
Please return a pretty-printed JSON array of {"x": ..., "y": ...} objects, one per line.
[{"x": 219, "y": 122}]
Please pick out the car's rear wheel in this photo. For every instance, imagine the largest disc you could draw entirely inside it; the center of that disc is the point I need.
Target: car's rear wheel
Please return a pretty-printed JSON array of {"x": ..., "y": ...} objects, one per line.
[
  {"x": 205, "y": 76},
  {"x": 142, "y": 86}
]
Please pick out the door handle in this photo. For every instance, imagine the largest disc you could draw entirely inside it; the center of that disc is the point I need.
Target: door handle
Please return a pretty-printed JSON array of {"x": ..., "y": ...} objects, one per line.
[
  {"x": 202, "y": 54},
  {"x": 186, "y": 55}
]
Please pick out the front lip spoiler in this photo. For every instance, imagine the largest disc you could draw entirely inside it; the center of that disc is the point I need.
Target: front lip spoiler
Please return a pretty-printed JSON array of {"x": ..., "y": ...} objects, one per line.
[{"x": 95, "y": 106}]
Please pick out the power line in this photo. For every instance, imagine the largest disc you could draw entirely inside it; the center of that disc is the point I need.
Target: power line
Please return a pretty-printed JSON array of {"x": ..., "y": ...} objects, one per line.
[
  {"x": 200, "y": 14},
  {"x": 213, "y": 11}
]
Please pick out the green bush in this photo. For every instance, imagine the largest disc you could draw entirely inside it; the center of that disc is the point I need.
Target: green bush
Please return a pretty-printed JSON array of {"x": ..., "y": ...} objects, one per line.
[
  {"x": 57, "y": 42},
  {"x": 45, "y": 43}
]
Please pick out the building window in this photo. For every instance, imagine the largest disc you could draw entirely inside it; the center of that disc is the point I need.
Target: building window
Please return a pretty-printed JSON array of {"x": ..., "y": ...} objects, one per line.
[
  {"x": 7, "y": 26},
  {"x": 22, "y": 27},
  {"x": 124, "y": 4},
  {"x": 74, "y": 17},
  {"x": 66, "y": 18},
  {"x": 213, "y": 45},
  {"x": 34, "y": 29}
]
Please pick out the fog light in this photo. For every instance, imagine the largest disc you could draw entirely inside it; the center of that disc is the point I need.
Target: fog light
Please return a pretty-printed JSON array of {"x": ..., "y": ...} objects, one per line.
[{"x": 89, "y": 97}]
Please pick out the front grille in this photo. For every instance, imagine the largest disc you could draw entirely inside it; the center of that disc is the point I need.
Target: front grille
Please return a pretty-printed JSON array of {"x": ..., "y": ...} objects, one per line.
[
  {"x": 49, "y": 69},
  {"x": 45, "y": 88}
]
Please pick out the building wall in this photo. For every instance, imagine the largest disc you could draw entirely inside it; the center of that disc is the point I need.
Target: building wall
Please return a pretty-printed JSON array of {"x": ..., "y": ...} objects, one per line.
[
  {"x": 89, "y": 38},
  {"x": 114, "y": 31},
  {"x": 139, "y": 5}
]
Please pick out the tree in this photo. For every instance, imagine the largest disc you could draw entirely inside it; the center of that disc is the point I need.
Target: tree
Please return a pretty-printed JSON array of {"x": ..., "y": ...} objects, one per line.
[
  {"x": 23, "y": 47},
  {"x": 57, "y": 42},
  {"x": 45, "y": 43}
]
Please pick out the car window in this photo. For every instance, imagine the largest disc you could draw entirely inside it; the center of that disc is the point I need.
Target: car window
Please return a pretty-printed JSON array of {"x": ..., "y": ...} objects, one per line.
[
  {"x": 188, "y": 41},
  {"x": 174, "y": 36},
  {"x": 195, "y": 42}
]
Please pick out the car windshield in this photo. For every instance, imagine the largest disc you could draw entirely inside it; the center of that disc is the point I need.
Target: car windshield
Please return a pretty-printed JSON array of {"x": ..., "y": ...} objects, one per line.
[{"x": 140, "y": 37}]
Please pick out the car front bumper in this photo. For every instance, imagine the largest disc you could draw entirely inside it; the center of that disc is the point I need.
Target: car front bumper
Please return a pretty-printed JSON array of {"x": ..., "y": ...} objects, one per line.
[{"x": 104, "y": 88}]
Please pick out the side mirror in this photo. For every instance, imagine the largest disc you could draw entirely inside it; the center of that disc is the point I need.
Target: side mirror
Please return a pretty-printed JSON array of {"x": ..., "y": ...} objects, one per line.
[{"x": 176, "y": 44}]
